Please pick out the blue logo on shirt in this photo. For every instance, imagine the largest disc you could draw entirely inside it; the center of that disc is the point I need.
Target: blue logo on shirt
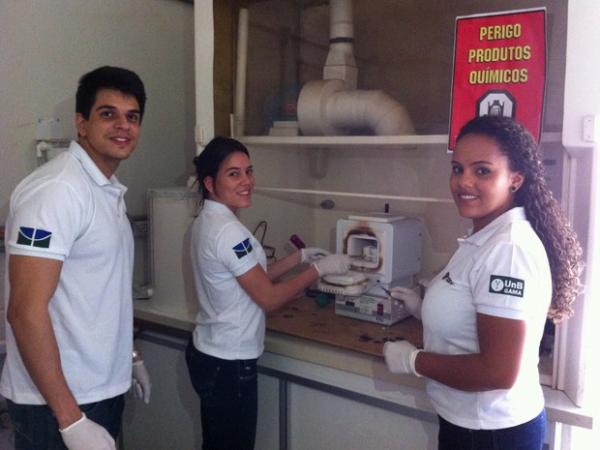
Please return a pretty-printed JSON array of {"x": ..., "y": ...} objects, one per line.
[
  {"x": 34, "y": 237},
  {"x": 243, "y": 248}
]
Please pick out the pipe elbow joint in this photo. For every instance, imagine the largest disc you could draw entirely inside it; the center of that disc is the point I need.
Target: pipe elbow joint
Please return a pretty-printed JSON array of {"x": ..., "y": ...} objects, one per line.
[{"x": 387, "y": 116}]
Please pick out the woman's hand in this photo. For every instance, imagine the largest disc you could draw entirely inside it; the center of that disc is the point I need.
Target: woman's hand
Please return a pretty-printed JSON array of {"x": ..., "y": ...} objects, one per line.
[
  {"x": 411, "y": 300},
  {"x": 400, "y": 357},
  {"x": 332, "y": 265},
  {"x": 312, "y": 254}
]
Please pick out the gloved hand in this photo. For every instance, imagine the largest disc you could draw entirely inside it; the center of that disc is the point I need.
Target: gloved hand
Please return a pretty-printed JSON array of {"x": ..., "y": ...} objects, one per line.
[
  {"x": 332, "y": 264},
  {"x": 400, "y": 357},
  {"x": 312, "y": 254},
  {"x": 85, "y": 434},
  {"x": 411, "y": 300},
  {"x": 141, "y": 381}
]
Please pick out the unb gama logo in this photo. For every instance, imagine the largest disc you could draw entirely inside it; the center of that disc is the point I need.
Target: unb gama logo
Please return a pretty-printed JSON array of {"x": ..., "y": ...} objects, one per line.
[
  {"x": 34, "y": 237},
  {"x": 506, "y": 285}
]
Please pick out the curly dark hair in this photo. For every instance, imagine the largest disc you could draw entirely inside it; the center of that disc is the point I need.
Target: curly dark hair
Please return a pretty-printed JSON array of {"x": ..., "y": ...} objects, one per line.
[{"x": 542, "y": 209}]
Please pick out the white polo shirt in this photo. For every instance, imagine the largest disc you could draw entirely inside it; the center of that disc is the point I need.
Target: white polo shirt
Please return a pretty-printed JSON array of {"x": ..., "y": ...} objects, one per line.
[
  {"x": 230, "y": 325},
  {"x": 502, "y": 270},
  {"x": 69, "y": 211}
]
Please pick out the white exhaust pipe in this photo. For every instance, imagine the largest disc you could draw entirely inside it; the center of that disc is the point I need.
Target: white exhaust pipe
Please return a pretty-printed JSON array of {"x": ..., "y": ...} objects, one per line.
[
  {"x": 240, "y": 75},
  {"x": 326, "y": 107},
  {"x": 340, "y": 63},
  {"x": 332, "y": 106}
]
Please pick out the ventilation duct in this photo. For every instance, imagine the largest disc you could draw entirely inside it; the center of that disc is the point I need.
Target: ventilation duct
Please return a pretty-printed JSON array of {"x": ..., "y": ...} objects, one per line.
[{"x": 333, "y": 106}]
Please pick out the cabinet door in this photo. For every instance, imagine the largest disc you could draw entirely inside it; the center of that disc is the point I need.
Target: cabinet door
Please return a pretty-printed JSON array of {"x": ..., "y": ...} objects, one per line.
[{"x": 172, "y": 418}]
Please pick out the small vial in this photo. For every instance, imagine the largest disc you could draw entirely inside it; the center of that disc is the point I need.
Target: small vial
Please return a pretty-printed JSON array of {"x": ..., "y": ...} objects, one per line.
[{"x": 294, "y": 239}]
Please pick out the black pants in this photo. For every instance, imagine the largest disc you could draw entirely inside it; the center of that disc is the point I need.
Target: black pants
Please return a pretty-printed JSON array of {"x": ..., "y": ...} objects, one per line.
[
  {"x": 228, "y": 391},
  {"x": 36, "y": 427},
  {"x": 527, "y": 436}
]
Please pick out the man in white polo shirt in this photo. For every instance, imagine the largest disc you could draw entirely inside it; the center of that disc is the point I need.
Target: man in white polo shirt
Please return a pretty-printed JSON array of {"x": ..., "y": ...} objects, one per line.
[{"x": 70, "y": 259}]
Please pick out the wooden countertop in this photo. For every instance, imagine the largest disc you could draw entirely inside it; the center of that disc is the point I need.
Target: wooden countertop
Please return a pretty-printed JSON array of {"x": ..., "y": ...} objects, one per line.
[
  {"x": 305, "y": 319},
  {"x": 307, "y": 332}
]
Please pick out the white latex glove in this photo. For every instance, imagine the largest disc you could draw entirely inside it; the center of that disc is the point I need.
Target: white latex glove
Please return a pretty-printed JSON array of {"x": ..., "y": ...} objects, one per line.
[
  {"x": 411, "y": 300},
  {"x": 332, "y": 265},
  {"x": 85, "y": 434},
  {"x": 312, "y": 254},
  {"x": 141, "y": 381},
  {"x": 400, "y": 357}
]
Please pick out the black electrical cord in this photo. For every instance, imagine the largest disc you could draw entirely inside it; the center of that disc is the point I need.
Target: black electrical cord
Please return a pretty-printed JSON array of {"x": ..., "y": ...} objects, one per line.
[{"x": 269, "y": 251}]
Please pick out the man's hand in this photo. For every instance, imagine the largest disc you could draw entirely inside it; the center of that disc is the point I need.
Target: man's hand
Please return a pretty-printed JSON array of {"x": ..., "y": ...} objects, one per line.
[
  {"x": 141, "y": 381},
  {"x": 85, "y": 434}
]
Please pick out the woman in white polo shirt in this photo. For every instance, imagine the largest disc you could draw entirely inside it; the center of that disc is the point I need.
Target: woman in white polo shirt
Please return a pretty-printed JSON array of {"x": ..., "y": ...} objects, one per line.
[
  {"x": 484, "y": 313},
  {"x": 234, "y": 288}
]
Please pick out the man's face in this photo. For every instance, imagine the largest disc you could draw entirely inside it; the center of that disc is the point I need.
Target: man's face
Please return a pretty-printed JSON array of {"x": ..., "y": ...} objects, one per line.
[{"x": 112, "y": 131}]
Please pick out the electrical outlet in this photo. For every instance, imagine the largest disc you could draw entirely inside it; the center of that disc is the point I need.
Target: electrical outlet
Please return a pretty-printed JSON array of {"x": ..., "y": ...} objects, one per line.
[
  {"x": 589, "y": 128},
  {"x": 199, "y": 135},
  {"x": 48, "y": 129}
]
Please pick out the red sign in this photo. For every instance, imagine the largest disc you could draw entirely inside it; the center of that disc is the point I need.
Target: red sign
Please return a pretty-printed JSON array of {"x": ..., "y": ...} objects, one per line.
[{"x": 499, "y": 69}]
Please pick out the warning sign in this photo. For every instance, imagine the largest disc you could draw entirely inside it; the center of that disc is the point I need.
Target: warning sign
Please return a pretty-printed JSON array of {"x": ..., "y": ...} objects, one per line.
[{"x": 499, "y": 69}]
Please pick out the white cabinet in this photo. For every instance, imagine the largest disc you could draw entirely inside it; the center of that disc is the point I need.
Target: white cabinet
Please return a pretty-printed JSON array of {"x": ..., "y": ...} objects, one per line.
[
  {"x": 301, "y": 406},
  {"x": 172, "y": 418}
]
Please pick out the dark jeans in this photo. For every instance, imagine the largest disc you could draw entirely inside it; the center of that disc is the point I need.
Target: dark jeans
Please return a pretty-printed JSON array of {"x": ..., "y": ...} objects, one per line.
[
  {"x": 527, "y": 436},
  {"x": 36, "y": 427},
  {"x": 228, "y": 392}
]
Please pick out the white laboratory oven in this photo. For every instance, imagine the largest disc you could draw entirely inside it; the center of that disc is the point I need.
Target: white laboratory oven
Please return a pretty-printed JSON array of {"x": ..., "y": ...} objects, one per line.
[{"x": 385, "y": 251}]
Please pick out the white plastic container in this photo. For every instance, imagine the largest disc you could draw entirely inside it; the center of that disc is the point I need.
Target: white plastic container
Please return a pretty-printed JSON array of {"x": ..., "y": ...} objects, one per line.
[{"x": 170, "y": 214}]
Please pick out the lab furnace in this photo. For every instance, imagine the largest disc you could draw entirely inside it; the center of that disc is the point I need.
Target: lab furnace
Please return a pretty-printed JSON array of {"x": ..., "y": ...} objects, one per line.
[{"x": 385, "y": 251}]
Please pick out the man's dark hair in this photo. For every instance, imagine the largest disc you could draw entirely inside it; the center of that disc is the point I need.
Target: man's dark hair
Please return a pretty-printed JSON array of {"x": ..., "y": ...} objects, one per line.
[{"x": 108, "y": 77}]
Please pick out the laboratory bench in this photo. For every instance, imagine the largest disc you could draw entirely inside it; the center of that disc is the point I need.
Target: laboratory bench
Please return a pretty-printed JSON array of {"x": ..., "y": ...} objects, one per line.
[
  {"x": 316, "y": 359},
  {"x": 309, "y": 332}
]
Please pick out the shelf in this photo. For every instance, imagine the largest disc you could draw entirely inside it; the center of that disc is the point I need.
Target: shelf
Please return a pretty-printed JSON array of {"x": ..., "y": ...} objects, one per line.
[
  {"x": 354, "y": 194},
  {"x": 347, "y": 142}
]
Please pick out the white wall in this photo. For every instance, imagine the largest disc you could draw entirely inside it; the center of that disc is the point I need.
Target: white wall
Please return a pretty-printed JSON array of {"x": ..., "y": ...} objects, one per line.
[{"x": 45, "y": 46}]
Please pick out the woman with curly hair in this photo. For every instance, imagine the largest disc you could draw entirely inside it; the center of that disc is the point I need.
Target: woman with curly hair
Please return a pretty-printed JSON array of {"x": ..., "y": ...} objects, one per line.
[{"x": 484, "y": 314}]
